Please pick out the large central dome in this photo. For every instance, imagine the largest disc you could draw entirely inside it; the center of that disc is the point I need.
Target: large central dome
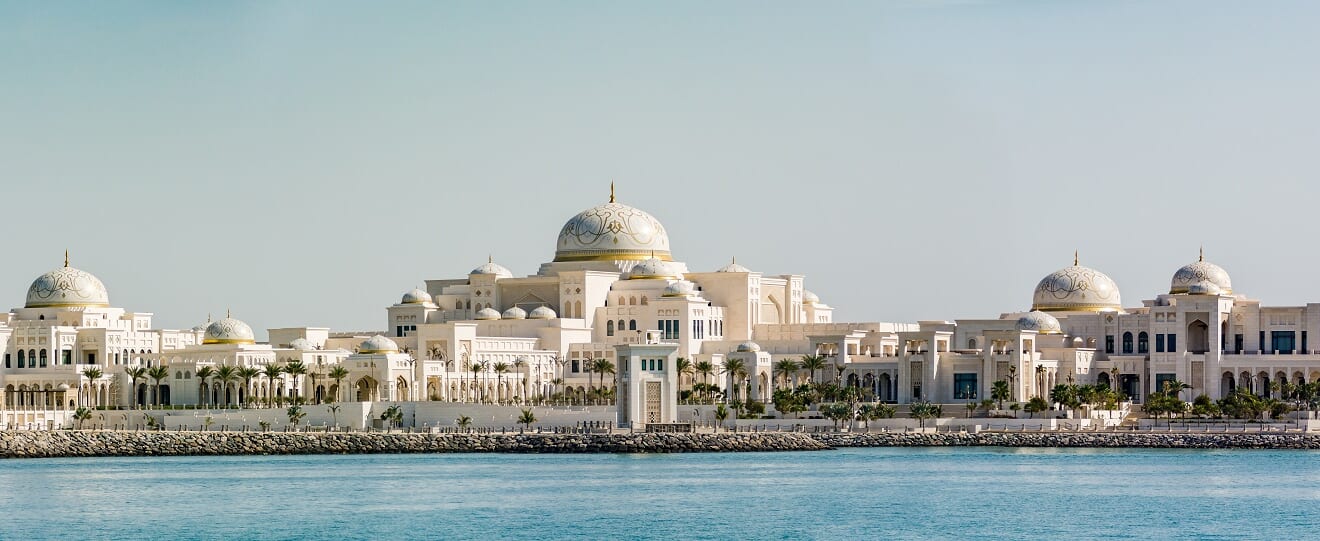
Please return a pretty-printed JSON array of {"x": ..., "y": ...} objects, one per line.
[
  {"x": 1077, "y": 289},
  {"x": 612, "y": 232},
  {"x": 66, "y": 286}
]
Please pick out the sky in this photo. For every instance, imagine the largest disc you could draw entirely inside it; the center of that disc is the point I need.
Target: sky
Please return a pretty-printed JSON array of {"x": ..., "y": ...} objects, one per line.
[{"x": 306, "y": 163}]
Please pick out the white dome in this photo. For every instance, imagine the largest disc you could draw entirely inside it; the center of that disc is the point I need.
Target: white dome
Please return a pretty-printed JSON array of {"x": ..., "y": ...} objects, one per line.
[
  {"x": 1077, "y": 289},
  {"x": 1205, "y": 288},
  {"x": 542, "y": 312},
  {"x": 1040, "y": 322},
  {"x": 611, "y": 232},
  {"x": 748, "y": 347},
  {"x": 809, "y": 297},
  {"x": 485, "y": 314},
  {"x": 491, "y": 267},
  {"x": 652, "y": 269},
  {"x": 301, "y": 344},
  {"x": 733, "y": 266},
  {"x": 228, "y": 331},
  {"x": 67, "y": 286},
  {"x": 681, "y": 288},
  {"x": 1201, "y": 271},
  {"x": 416, "y": 296},
  {"x": 514, "y": 313},
  {"x": 378, "y": 344}
]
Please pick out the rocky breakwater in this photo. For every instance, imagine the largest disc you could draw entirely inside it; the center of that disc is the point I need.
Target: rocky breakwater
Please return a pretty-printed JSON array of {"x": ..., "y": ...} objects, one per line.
[
  {"x": 74, "y": 443},
  {"x": 1073, "y": 439}
]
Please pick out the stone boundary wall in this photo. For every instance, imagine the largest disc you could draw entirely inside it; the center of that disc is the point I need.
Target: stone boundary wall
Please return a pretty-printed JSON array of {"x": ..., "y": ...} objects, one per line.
[
  {"x": 75, "y": 443},
  {"x": 1065, "y": 439}
]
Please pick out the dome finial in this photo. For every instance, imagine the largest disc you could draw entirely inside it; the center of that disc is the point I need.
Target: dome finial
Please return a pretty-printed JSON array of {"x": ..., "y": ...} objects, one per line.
[
  {"x": 228, "y": 314},
  {"x": 66, "y": 258},
  {"x": 1202, "y": 256},
  {"x": 1075, "y": 263},
  {"x": 490, "y": 258},
  {"x": 611, "y": 191}
]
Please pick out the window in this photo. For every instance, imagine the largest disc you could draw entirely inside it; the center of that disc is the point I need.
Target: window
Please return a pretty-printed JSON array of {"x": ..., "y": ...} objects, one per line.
[
  {"x": 1237, "y": 343},
  {"x": 609, "y": 328},
  {"x": 1173, "y": 343},
  {"x": 22, "y": 360},
  {"x": 632, "y": 324},
  {"x": 1159, "y": 343},
  {"x": 43, "y": 358},
  {"x": 1304, "y": 348},
  {"x": 1160, "y": 380},
  {"x": 1127, "y": 343},
  {"x": 8, "y": 360},
  {"x": 1109, "y": 343},
  {"x": 1282, "y": 341},
  {"x": 575, "y": 365},
  {"x": 964, "y": 386},
  {"x": 1143, "y": 342}
]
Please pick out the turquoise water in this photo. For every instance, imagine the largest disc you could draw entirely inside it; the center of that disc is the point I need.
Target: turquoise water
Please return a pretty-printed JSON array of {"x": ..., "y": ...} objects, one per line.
[{"x": 846, "y": 494}]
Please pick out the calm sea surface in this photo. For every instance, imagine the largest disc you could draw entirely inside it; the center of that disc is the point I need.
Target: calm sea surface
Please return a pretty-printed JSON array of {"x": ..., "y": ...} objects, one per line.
[{"x": 847, "y": 494}]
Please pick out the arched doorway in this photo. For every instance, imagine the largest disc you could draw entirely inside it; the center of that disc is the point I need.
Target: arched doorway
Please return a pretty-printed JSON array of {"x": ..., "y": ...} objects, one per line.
[
  {"x": 884, "y": 386},
  {"x": 1198, "y": 337},
  {"x": 1227, "y": 385},
  {"x": 366, "y": 389}
]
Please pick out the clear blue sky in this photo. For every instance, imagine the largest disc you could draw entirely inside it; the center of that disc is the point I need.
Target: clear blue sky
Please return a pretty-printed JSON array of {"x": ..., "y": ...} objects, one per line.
[{"x": 306, "y": 163}]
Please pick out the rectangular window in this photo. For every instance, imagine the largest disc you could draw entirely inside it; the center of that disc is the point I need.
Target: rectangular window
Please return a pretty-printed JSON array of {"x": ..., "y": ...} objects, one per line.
[
  {"x": 1282, "y": 341},
  {"x": 1159, "y": 343},
  {"x": 1160, "y": 379},
  {"x": 576, "y": 366},
  {"x": 1173, "y": 343},
  {"x": 1304, "y": 349},
  {"x": 964, "y": 386},
  {"x": 1109, "y": 344},
  {"x": 66, "y": 357},
  {"x": 8, "y": 360},
  {"x": 1261, "y": 344},
  {"x": 1237, "y": 343},
  {"x": 662, "y": 364},
  {"x": 91, "y": 358}
]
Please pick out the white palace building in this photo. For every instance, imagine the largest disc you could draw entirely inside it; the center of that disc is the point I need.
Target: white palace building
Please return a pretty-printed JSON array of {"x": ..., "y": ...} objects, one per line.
[{"x": 614, "y": 291}]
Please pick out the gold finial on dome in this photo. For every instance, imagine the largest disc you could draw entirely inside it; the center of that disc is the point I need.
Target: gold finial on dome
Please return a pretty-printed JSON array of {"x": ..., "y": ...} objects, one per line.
[
  {"x": 611, "y": 191},
  {"x": 1202, "y": 257},
  {"x": 490, "y": 258},
  {"x": 66, "y": 258},
  {"x": 1075, "y": 263},
  {"x": 228, "y": 315}
]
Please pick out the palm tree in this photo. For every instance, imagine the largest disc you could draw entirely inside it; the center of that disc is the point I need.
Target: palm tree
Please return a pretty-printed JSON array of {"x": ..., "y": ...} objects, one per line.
[
  {"x": 82, "y": 414},
  {"x": 271, "y": 371},
  {"x": 338, "y": 373},
  {"x": 226, "y": 375},
  {"x": 158, "y": 373},
  {"x": 1000, "y": 392},
  {"x": 589, "y": 365},
  {"x": 203, "y": 374},
  {"x": 463, "y": 422},
  {"x": 136, "y": 373},
  {"x": 295, "y": 369},
  {"x": 922, "y": 410},
  {"x": 684, "y": 367},
  {"x": 735, "y": 369},
  {"x": 476, "y": 368},
  {"x": 92, "y": 374},
  {"x": 1040, "y": 379},
  {"x": 558, "y": 383},
  {"x": 813, "y": 363},
  {"x": 602, "y": 367},
  {"x": 248, "y": 373},
  {"x": 520, "y": 365},
  {"x": 705, "y": 368},
  {"x": 500, "y": 368},
  {"x": 527, "y": 418},
  {"x": 786, "y": 368},
  {"x": 721, "y": 413}
]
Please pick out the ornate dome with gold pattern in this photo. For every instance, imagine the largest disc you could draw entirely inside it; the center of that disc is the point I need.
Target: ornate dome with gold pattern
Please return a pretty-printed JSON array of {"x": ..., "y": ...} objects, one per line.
[
  {"x": 67, "y": 286},
  {"x": 1077, "y": 289},
  {"x": 1201, "y": 271},
  {"x": 653, "y": 269},
  {"x": 612, "y": 232},
  {"x": 1040, "y": 322},
  {"x": 416, "y": 296},
  {"x": 377, "y": 345},
  {"x": 228, "y": 331},
  {"x": 491, "y": 267},
  {"x": 487, "y": 314}
]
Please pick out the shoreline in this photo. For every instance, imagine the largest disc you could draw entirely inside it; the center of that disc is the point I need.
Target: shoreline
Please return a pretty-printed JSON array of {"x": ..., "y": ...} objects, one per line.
[{"x": 96, "y": 443}]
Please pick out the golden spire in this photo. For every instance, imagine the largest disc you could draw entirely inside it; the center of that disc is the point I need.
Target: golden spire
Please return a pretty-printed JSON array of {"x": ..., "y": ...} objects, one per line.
[
  {"x": 490, "y": 258},
  {"x": 1202, "y": 258},
  {"x": 611, "y": 191},
  {"x": 66, "y": 258},
  {"x": 228, "y": 314},
  {"x": 1074, "y": 258}
]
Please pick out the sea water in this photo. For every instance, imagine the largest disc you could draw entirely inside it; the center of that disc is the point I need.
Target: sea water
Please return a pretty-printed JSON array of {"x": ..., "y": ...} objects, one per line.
[{"x": 929, "y": 493}]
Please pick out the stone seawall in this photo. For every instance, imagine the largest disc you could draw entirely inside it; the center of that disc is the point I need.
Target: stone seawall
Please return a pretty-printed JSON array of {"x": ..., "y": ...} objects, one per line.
[
  {"x": 43, "y": 444},
  {"x": 1073, "y": 439}
]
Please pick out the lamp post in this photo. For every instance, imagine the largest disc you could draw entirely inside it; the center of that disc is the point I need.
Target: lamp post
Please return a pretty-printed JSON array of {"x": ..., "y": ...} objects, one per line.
[
  {"x": 412, "y": 378},
  {"x": 1012, "y": 378}
]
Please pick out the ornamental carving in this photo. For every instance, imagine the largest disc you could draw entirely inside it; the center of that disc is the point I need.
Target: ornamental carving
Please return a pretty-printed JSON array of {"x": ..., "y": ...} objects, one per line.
[
  {"x": 613, "y": 227},
  {"x": 67, "y": 286}
]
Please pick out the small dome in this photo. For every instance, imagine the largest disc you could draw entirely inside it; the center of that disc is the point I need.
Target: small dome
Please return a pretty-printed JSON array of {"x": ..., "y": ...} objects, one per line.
[
  {"x": 1078, "y": 342},
  {"x": 681, "y": 288},
  {"x": 612, "y": 232},
  {"x": 228, "y": 331},
  {"x": 378, "y": 344},
  {"x": 1040, "y": 322},
  {"x": 301, "y": 344},
  {"x": 809, "y": 297},
  {"x": 1201, "y": 271},
  {"x": 416, "y": 296},
  {"x": 66, "y": 286},
  {"x": 514, "y": 313},
  {"x": 542, "y": 312},
  {"x": 201, "y": 327},
  {"x": 733, "y": 266},
  {"x": 486, "y": 314},
  {"x": 493, "y": 268},
  {"x": 748, "y": 347},
  {"x": 652, "y": 269},
  {"x": 1077, "y": 289},
  {"x": 1204, "y": 288}
]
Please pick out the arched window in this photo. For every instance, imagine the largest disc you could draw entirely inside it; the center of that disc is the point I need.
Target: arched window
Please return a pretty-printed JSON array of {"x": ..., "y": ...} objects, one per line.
[
  {"x": 32, "y": 358},
  {"x": 971, "y": 343},
  {"x": 577, "y": 309},
  {"x": 644, "y": 300},
  {"x": 567, "y": 312},
  {"x": 632, "y": 301},
  {"x": 621, "y": 325},
  {"x": 632, "y": 324},
  {"x": 43, "y": 358},
  {"x": 620, "y": 301},
  {"x": 458, "y": 305},
  {"x": 1127, "y": 343},
  {"x": 22, "y": 359},
  {"x": 1143, "y": 342},
  {"x": 609, "y": 328}
]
